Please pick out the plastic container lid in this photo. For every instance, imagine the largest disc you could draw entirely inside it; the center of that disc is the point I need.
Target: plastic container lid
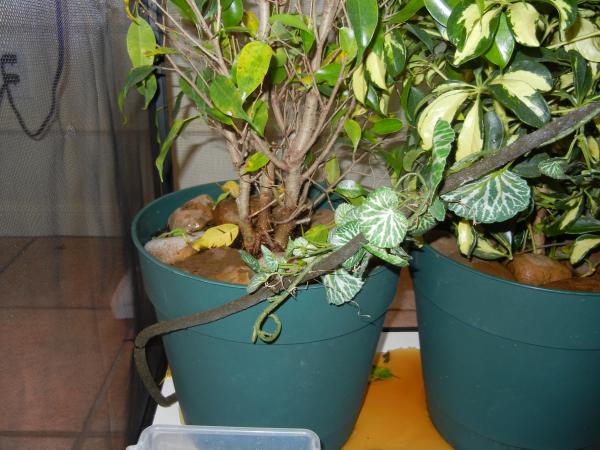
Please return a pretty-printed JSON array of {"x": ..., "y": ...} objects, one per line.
[{"x": 190, "y": 437}]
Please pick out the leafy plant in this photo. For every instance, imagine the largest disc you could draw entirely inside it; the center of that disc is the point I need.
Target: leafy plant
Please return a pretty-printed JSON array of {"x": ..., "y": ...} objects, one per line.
[{"x": 295, "y": 86}]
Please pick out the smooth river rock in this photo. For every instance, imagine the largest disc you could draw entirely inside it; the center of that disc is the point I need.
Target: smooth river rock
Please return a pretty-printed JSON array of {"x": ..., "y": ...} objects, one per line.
[
  {"x": 221, "y": 264},
  {"x": 537, "y": 270},
  {"x": 194, "y": 215}
]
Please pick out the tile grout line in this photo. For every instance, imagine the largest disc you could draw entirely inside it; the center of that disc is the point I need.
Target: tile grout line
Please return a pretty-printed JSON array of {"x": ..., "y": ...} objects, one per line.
[
  {"x": 14, "y": 258},
  {"x": 102, "y": 392}
]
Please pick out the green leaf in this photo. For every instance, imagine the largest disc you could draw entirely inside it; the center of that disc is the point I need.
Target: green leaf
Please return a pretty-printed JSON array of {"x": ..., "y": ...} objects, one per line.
[
  {"x": 259, "y": 113},
  {"x": 422, "y": 224},
  {"x": 437, "y": 210},
  {"x": 394, "y": 53},
  {"x": 380, "y": 220},
  {"x": 332, "y": 170},
  {"x": 554, "y": 168},
  {"x": 485, "y": 249},
  {"x": 410, "y": 98},
  {"x": 443, "y": 108},
  {"x": 140, "y": 43},
  {"x": 529, "y": 168},
  {"x": 584, "y": 224},
  {"x": 227, "y": 98},
  {"x": 407, "y": 12},
  {"x": 252, "y": 66},
  {"x": 493, "y": 132},
  {"x": 381, "y": 373},
  {"x": 291, "y": 20},
  {"x": 582, "y": 75},
  {"x": 352, "y": 129},
  {"x": 582, "y": 246},
  {"x": 232, "y": 14},
  {"x": 348, "y": 43},
  {"x": 148, "y": 89},
  {"x": 440, "y": 10},
  {"x": 317, "y": 234},
  {"x": 383, "y": 254},
  {"x": 250, "y": 261},
  {"x": 176, "y": 128},
  {"x": 421, "y": 35},
  {"x": 184, "y": 9},
  {"x": 255, "y": 161},
  {"x": 494, "y": 198},
  {"x": 341, "y": 287},
  {"x": 524, "y": 19},
  {"x": 135, "y": 76},
  {"x": 470, "y": 139},
  {"x": 504, "y": 43},
  {"x": 191, "y": 93},
  {"x": 350, "y": 189},
  {"x": 471, "y": 32},
  {"x": 364, "y": 16},
  {"x": 443, "y": 137},
  {"x": 328, "y": 74},
  {"x": 386, "y": 126}
]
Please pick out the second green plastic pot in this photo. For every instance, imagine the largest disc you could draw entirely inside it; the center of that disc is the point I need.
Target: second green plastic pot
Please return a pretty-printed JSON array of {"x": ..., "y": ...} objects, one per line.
[
  {"x": 314, "y": 376},
  {"x": 507, "y": 365}
]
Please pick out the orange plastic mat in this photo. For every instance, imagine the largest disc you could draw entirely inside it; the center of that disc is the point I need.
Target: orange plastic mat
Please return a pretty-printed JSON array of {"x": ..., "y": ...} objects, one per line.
[{"x": 394, "y": 414}]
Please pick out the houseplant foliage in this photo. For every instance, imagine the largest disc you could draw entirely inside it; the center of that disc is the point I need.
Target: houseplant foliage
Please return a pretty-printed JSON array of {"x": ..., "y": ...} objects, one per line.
[{"x": 284, "y": 82}]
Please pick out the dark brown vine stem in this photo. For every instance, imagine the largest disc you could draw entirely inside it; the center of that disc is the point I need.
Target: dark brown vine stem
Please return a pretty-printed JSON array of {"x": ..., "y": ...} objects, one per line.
[{"x": 553, "y": 131}]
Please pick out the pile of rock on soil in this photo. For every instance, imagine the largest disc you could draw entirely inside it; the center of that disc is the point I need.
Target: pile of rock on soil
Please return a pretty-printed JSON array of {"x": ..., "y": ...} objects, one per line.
[
  {"x": 527, "y": 268},
  {"x": 220, "y": 264},
  {"x": 225, "y": 264}
]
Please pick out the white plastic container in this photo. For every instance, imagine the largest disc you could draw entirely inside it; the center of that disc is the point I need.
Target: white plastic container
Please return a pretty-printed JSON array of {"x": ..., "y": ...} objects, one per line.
[{"x": 189, "y": 437}]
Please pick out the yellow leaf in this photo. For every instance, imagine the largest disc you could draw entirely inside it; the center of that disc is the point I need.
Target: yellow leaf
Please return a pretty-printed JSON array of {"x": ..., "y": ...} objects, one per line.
[
  {"x": 443, "y": 107},
  {"x": 231, "y": 187},
  {"x": 594, "y": 148},
  {"x": 584, "y": 39},
  {"x": 251, "y": 21},
  {"x": 376, "y": 69},
  {"x": 219, "y": 236},
  {"x": 466, "y": 238}
]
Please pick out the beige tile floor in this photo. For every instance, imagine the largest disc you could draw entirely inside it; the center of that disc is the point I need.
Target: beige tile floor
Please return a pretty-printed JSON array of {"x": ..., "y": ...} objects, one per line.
[{"x": 66, "y": 360}]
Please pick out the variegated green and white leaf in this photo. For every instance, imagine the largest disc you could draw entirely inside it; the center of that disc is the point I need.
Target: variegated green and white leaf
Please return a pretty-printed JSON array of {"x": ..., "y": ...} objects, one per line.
[
  {"x": 250, "y": 261},
  {"x": 376, "y": 70},
  {"x": 584, "y": 38},
  {"x": 494, "y": 198},
  {"x": 582, "y": 246},
  {"x": 533, "y": 73},
  {"x": 471, "y": 32},
  {"x": 444, "y": 108},
  {"x": 257, "y": 281},
  {"x": 567, "y": 11},
  {"x": 527, "y": 103},
  {"x": 485, "y": 250},
  {"x": 470, "y": 139},
  {"x": 465, "y": 238},
  {"x": 437, "y": 210},
  {"x": 269, "y": 259},
  {"x": 381, "y": 253},
  {"x": 443, "y": 137},
  {"x": 380, "y": 221},
  {"x": 340, "y": 236},
  {"x": 341, "y": 287},
  {"x": 345, "y": 213},
  {"x": 420, "y": 225},
  {"x": 359, "y": 84},
  {"x": 553, "y": 168},
  {"x": 350, "y": 189},
  {"x": 524, "y": 20}
]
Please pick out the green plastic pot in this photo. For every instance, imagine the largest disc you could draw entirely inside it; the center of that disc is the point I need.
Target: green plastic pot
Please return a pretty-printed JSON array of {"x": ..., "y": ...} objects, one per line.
[
  {"x": 314, "y": 376},
  {"x": 507, "y": 365}
]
